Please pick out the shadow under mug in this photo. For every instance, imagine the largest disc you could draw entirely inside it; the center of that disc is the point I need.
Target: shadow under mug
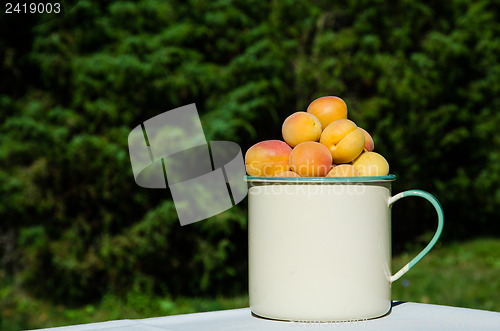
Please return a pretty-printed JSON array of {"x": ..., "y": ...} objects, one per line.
[{"x": 320, "y": 248}]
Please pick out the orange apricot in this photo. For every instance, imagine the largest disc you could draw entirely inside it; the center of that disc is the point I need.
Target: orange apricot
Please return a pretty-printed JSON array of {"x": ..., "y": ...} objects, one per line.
[
  {"x": 343, "y": 170},
  {"x": 300, "y": 127},
  {"x": 287, "y": 173},
  {"x": 371, "y": 164},
  {"x": 369, "y": 144},
  {"x": 310, "y": 159},
  {"x": 328, "y": 109},
  {"x": 344, "y": 140},
  {"x": 267, "y": 158}
]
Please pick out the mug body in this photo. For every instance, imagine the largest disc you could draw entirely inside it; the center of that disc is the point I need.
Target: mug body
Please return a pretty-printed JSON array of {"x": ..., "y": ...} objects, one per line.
[{"x": 319, "y": 251}]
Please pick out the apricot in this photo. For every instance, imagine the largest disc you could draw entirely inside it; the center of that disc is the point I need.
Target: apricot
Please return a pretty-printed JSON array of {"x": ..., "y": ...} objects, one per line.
[
  {"x": 344, "y": 140},
  {"x": 369, "y": 144},
  {"x": 310, "y": 159},
  {"x": 267, "y": 158},
  {"x": 300, "y": 127},
  {"x": 343, "y": 170},
  {"x": 371, "y": 164},
  {"x": 287, "y": 173},
  {"x": 328, "y": 109}
]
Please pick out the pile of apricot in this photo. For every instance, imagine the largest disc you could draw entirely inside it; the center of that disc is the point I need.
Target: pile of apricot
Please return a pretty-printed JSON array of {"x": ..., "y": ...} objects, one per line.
[{"x": 317, "y": 143}]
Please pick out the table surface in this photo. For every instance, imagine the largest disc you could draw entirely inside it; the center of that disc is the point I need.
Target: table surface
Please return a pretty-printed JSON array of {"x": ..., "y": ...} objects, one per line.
[{"x": 403, "y": 315}]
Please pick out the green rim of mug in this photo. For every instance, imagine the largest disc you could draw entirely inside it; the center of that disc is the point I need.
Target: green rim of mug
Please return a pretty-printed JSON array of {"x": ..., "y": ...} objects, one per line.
[{"x": 258, "y": 179}]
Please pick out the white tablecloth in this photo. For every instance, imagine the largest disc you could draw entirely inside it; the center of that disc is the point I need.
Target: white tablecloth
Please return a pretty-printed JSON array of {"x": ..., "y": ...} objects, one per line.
[{"x": 404, "y": 315}]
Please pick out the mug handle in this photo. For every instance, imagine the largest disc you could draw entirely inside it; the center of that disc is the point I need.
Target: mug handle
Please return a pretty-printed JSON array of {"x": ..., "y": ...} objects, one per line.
[{"x": 429, "y": 197}]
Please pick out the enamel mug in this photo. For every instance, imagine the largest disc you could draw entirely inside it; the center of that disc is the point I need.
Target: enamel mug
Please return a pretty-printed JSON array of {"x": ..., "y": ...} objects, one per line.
[{"x": 320, "y": 248}]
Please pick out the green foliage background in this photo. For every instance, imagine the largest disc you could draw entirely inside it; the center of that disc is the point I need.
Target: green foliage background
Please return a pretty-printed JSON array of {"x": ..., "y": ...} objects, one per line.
[{"x": 422, "y": 77}]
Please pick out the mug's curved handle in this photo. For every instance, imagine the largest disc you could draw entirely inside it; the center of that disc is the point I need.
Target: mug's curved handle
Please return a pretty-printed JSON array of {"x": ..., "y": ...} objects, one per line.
[{"x": 429, "y": 197}]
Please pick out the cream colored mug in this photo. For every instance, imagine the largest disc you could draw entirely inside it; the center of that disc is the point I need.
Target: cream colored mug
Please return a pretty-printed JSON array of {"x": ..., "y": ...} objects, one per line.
[{"x": 320, "y": 248}]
